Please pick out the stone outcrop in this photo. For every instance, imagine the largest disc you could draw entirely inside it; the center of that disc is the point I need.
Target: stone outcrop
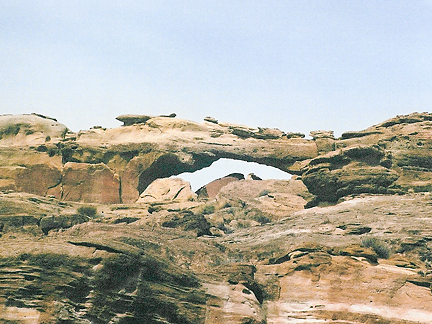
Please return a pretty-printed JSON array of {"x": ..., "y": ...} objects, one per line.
[
  {"x": 128, "y": 120},
  {"x": 261, "y": 200},
  {"x": 168, "y": 189},
  {"x": 394, "y": 155},
  {"x": 251, "y": 254},
  {"x": 353, "y": 170},
  {"x": 30, "y": 129},
  {"x": 49, "y": 223},
  {"x": 324, "y": 264},
  {"x": 140, "y": 153},
  {"x": 211, "y": 189},
  {"x": 89, "y": 183}
]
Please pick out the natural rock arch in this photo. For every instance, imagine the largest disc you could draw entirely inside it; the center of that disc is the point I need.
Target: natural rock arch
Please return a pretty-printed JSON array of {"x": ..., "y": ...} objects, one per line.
[
  {"x": 166, "y": 166},
  {"x": 224, "y": 167},
  {"x": 129, "y": 158}
]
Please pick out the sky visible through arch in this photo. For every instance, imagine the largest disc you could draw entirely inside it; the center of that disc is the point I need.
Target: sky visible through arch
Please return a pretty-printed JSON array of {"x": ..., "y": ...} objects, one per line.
[
  {"x": 294, "y": 65},
  {"x": 223, "y": 167}
]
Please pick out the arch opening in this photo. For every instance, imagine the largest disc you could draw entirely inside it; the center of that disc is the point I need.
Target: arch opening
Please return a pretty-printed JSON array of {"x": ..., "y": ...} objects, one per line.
[{"x": 224, "y": 167}]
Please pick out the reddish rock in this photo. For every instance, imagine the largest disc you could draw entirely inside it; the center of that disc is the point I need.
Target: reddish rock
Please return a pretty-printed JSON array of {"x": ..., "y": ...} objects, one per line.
[
  {"x": 211, "y": 189},
  {"x": 353, "y": 170},
  {"x": 90, "y": 183},
  {"x": 38, "y": 179}
]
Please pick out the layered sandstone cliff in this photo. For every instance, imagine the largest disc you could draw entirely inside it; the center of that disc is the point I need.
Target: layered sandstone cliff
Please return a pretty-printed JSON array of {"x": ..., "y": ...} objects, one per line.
[{"x": 87, "y": 236}]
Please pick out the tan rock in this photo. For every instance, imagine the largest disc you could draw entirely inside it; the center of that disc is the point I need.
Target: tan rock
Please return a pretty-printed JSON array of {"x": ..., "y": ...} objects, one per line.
[
  {"x": 272, "y": 199},
  {"x": 29, "y": 129},
  {"x": 168, "y": 189},
  {"x": 133, "y": 119},
  {"x": 389, "y": 156},
  {"x": 351, "y": 170}
]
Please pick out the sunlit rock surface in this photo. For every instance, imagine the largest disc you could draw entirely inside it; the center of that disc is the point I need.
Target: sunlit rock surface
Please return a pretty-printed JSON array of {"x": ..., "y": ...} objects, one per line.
[{"x": 78, "y": 245}]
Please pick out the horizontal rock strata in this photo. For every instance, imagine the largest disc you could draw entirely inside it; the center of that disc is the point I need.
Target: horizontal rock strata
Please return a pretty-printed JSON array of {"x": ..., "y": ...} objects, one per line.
[{"x": 40, "y": 156}]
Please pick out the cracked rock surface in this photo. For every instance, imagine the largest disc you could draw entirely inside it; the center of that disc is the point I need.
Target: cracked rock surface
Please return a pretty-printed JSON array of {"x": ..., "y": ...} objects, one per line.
[{"x": 79, "y": 245}]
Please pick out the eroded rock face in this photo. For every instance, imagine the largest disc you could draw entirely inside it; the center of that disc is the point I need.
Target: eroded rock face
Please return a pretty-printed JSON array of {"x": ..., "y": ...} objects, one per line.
[
  {"x": 313, "y": 266},
  {"x": 141, "y": 152},
  {"x": 393, "y": 155},
  {"x": 353, "y": 170},
  {"x": 90, "y": 182},
  {"x": 30, "y": 129},
  {"x": 272, "y": 199},
  {"x": 252, "y": 255}
]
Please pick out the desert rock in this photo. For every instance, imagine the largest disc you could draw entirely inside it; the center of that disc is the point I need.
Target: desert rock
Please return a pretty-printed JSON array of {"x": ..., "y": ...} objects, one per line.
[
  {"x": 393, "y": 155},
  {"x": 90, "y": 183},
  {"x": 168, "y": 189},
  {"x": 211, "y": 189}
]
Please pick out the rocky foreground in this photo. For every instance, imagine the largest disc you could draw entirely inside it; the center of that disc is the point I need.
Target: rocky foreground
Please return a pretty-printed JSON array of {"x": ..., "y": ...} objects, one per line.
[{"x": 89, "y": 236}]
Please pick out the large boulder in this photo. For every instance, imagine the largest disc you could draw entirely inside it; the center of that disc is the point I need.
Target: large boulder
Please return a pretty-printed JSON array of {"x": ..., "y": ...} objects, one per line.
[
  {"x": 129, "y": 119},
  {"x": 168, "y": 189},
  {"x": 211, "y": 189},
  {"x": 49, "y": 223}
]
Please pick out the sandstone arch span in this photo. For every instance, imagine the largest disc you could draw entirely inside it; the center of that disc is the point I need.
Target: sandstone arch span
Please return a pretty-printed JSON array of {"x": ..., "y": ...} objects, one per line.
[{"x": 116, "y": 165}]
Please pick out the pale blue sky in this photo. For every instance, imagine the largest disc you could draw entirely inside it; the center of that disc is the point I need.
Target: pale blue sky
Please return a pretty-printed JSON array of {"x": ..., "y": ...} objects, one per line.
[{"x": 296, "y": 65}]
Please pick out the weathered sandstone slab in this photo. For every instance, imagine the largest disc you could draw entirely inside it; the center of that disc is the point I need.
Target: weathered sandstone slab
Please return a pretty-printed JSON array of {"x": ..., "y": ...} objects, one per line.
[{"x": 90, "y": 182}]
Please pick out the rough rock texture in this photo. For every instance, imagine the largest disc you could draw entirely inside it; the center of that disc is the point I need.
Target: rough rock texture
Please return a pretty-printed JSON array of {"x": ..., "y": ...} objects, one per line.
[
  {"x": 266, "y": 199},
  {"x": 393, "y": 155},
  {"x": 138, "y": 119},
  {"x": 30, "y": 129},
  {"x": 353, "y": 170},
  {"x": 313, "y": 266},
  {"x": 168, "y": 189},
  {"x": 142, "y": 153},
  {"x": 90, "y": 182},
  {"x": 211, "y": 189},
  {"x": 252, "y": 254}
]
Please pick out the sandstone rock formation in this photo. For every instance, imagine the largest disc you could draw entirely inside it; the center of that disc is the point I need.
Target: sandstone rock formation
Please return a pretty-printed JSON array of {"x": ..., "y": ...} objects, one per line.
[
  {"x": 394, "y": 155},
  {"x": 168, "y": 189},
  {"x": 30, "y": 129},
  {"x": 312, "y": 266},
  {"x": 268, "y": 200},
  {"x": 211, "y": 189},
  {"x": 353, "y": 170},
  {"x": 89, "y": 182},
  {"x": 142, "y": 153},
  {"x": 138, "y": 119},
  {"x": 251, "y": 254}
]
